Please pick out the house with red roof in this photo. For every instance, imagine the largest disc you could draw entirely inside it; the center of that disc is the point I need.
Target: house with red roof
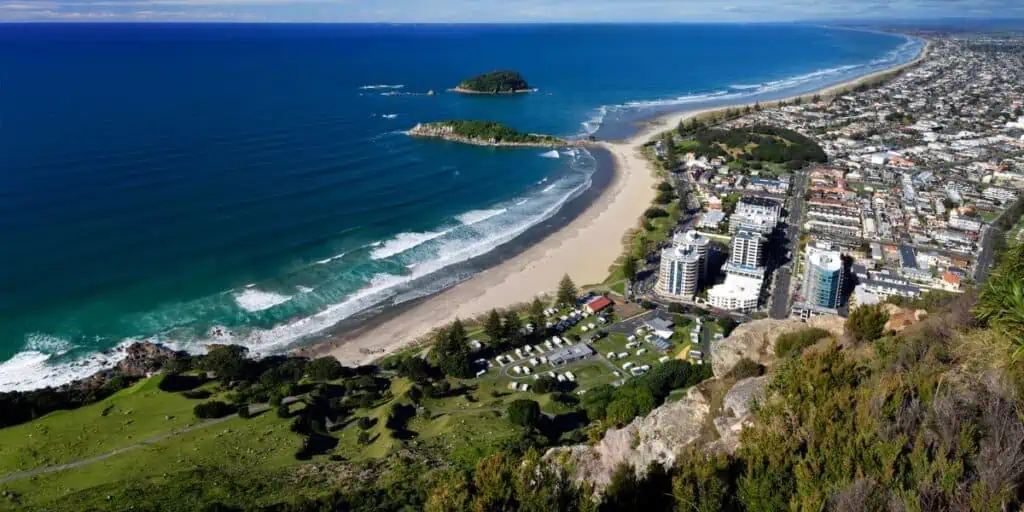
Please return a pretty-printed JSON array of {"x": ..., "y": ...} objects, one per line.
[{"x": 598, "y": 304}]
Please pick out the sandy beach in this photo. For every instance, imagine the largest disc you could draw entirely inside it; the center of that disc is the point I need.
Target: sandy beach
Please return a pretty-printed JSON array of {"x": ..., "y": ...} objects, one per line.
[{"x": 585, "y": 248}]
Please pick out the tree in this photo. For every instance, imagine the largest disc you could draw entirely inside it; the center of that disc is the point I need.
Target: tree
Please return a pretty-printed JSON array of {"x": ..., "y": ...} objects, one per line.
[
  {"x": 525, "y": 413},
  {"x": 544, "y": 385},
  {"x": 727, "y": 324},
  {"x": 567, "y": 292},
  {"x": 212, "y": 409},
  {"x": 513, "y": 329},
  {"x": 493, "y": 327},
  {"x": 227, "y": 361},
  {"x": 701, "y": 482},
  {"x": 537, "y": 317},
  {"x": 867, "y": 323},
  {"x": 629, "y": 267},
  {"x": 324, "y": 369},
  {"x": 452, "y": 352},
  {"x": 452, "y": 493}
]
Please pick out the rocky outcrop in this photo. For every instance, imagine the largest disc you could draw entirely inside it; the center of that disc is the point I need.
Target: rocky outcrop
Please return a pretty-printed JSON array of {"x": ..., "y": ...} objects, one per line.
[
  {"x": 737, "y": 412},
  {"x": 656, "y": 438},
  {"x": 901, "y": 318},
  {"x": 142, "y": 359},
  {"x": 756, "y": 340}
]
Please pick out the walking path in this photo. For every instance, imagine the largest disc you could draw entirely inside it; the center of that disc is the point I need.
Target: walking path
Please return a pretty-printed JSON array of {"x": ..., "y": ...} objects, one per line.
[{"x": 253, "y": 409}]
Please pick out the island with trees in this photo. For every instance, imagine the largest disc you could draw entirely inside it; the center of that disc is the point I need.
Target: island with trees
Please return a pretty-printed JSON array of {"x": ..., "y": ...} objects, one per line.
[
  {"x": 484, "y": 133},
  {"x": 497, "y": 82}
]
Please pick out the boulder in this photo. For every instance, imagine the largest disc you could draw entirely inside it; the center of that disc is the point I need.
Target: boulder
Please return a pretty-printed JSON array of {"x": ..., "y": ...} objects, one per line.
[
  {"x": 656, "y": 438},
  {"x": 756, "y": 340},
  {"x": 142, "y": 359},
  {"x": 737, "y": 413}
]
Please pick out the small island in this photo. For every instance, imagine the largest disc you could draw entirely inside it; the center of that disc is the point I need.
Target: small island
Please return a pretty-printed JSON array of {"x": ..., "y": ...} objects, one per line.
[
  {"x": 497, "y": 82},
  {"x": 483, "y": 133}
]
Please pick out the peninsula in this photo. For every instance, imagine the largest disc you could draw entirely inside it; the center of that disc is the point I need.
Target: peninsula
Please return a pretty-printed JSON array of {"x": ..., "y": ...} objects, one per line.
[
  {"x": 484, "y": 133},
  {"x": 497, "y": 82}
]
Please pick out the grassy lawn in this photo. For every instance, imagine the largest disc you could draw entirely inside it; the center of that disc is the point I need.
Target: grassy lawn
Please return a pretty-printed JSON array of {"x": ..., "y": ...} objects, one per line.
[
  {"x": 129, "y": 416},
  {"x": 236, "y": 446}
]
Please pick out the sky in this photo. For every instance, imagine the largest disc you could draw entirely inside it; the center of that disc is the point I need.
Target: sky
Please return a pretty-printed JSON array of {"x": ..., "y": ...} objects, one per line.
[{"x": 475, "y": 11}]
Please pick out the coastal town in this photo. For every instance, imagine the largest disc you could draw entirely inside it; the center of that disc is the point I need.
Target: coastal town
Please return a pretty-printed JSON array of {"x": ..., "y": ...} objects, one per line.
[
  {"x": 892, "y": 190},
  {"x": 922, "y": 179}
]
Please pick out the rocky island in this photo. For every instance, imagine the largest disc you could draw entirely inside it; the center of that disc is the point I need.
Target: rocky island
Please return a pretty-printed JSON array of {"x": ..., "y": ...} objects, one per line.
[
  {"x": 497, "y": 82},
  {"x": 484, "y": 133}
]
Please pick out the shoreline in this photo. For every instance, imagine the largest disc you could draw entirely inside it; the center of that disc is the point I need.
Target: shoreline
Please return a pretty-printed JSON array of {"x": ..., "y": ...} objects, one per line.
[
  {"x": 585, "y": 248},
  {"x": 459, "y": 90}
]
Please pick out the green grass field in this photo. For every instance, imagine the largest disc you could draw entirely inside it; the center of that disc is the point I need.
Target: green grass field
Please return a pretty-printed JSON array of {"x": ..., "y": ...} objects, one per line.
[{"x": 127, "y": 417}]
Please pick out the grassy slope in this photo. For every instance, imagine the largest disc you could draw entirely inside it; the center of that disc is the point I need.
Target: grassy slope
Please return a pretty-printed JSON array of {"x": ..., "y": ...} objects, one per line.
[{"x": 126, "y": 417}]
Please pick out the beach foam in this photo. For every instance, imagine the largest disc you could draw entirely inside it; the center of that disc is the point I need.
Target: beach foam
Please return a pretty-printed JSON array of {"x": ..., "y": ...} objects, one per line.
[
  {"x": 380, "y": 86},
  {"x": 475, "y": 216},
  {"x": 254, "y": 300},
  {"x": 403, "y": 242},
  {"x": 389, "y": 116},
  {"x": 551, "y": 154},
  {"x": 34, "y": 369}
]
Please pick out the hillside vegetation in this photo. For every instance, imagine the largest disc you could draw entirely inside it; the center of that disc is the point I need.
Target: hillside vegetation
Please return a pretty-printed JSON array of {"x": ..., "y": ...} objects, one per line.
[{"x": 926, "y": 419}]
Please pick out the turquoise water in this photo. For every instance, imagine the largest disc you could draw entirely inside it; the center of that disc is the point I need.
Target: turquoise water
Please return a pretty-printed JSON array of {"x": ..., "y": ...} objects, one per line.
[{"x": 192, "y": 183}]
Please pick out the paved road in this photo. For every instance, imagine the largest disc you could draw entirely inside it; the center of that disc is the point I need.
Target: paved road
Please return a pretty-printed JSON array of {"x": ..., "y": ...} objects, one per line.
[
  {"x": 779, "y": 303},
  {"x": 253, "y": 409}
]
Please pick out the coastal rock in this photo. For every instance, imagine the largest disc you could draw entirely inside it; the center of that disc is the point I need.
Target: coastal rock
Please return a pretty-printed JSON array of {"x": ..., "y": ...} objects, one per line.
[
  {"x": 656, "y": 438},
  {"x": 756, "y": 340},
  {"x": 901, "y": 318},
  {"x": 142, "y": 359},
  {"x": 737, "y": 412}
]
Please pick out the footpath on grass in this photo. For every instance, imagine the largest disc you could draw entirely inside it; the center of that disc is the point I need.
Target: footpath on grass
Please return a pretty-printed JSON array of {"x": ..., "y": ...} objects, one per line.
[{"x": 253, "y": 410}]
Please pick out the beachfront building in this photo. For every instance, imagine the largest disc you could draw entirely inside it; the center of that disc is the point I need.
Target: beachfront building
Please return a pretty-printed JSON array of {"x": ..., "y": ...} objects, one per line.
[
  {"x": 679, "y": 273},
  {"x": 692, "y": 240},
  {"x": 756, "y": 214},
  {"x": 737, "y": 293},
  {"x": 747, "y": 249},
  {"x": 683, "y": 265},
  {"x": 823, "y": 278}
]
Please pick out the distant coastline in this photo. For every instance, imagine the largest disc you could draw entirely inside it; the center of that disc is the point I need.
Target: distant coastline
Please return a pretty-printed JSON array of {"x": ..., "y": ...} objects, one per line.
[{"x": 585, "y": 247}]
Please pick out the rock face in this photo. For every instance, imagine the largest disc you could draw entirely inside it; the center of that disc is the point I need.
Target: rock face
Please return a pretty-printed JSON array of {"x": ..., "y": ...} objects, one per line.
[
  {"x": 756, "y": 340},
  {"x": 900, "y": 318},
  {"x": 656, "y": 438},
  {"x": 144, "y": 358},
  {"x": 737, "y": 413}
]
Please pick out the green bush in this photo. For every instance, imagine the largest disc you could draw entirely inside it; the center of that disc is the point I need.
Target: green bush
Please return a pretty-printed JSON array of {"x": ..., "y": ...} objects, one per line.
[
  {"x": 745, "y": 369},
  {"x": 794, "y": 343},
  {"x": 867, "y": 323},
  {"x": 212, "y": 409}
]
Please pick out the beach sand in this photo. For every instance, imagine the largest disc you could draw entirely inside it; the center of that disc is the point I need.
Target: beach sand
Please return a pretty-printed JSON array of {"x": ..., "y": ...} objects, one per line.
[{"x": 585, "y": 248}]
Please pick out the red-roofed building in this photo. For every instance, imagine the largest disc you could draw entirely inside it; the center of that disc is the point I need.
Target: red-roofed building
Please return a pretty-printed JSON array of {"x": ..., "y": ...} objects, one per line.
[
  {"x": 950, "y": 281},
  {"x": 598, "y": 304}
]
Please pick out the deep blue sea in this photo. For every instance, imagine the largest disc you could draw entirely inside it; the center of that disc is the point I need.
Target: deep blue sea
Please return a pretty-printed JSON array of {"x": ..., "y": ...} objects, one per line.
[{"x": 193, "y": 183}]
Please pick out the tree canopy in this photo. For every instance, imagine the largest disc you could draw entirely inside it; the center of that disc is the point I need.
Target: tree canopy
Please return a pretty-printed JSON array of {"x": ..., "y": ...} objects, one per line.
[{"x": 495, "y": 82}]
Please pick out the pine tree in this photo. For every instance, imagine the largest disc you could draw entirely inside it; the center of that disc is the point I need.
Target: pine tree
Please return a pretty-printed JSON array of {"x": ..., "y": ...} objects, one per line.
[
  {"x": 493, "y": 328},
  {"x": 452, "y": 351},
  {"x": 513, "y": 328},
  {"x": 567, "y": 292},
  {"x": 537, "y": 315},
  {"x": 629, "y": 268}
]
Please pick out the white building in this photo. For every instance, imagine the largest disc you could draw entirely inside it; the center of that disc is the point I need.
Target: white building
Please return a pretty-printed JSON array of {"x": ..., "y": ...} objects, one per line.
[
  {"x": 694, "y": 241},
  {"x": 999, "y": 194},
  {"x": 747, "y": 249},
  {"x": 737, "y": 293},
  {"x": 679, "y": 273}
]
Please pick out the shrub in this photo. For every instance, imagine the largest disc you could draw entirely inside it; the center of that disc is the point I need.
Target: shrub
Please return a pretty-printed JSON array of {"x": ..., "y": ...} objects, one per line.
[
  {"x": 795, "y": 342},
  {"x": 283, "y": 411},
  {"x": 244, "y": 412},
  {"x": 213, "y": 409},
  {"x": 867, "y": 323},
  {"x": 654, "y": 212},
  {"x": 324, "y": 369},
  {"x": 525, "y": 413},
  {"x": 197, "y": 394},
  {"x": 746, "y": 368},
  {"x": 366, "y": 423}
]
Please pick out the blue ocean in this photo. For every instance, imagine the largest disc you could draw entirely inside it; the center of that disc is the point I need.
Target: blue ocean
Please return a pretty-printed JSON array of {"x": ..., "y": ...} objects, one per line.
[{"x": 202, "y": 183}]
